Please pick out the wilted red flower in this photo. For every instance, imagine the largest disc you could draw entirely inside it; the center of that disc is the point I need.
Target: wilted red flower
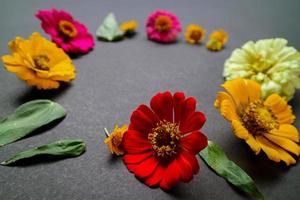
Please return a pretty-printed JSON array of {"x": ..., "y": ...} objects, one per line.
[{"x": 161, "y": 143}]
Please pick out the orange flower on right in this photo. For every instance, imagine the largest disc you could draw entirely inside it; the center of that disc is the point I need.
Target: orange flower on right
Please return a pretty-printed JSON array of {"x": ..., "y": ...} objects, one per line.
[{"x": 264, "y": 124}]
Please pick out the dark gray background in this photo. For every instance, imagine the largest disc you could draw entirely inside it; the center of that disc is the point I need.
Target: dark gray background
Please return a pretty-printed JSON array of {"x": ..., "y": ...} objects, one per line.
[{"x": 116, "y": 77}]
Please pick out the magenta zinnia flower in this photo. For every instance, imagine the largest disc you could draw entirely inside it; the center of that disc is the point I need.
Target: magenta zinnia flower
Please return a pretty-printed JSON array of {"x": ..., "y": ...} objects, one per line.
[
  {"x": 69, "y": 34},
  {"x": 163, "y": 26}
]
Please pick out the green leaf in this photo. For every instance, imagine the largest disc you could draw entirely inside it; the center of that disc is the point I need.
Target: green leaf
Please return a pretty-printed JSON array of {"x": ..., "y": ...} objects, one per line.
[
  {"x": 215, "y": 157},
  {"x": 61, "y": 148},
  {"x": 27, "y": 118},
  {"x": 109, "y": 30}
]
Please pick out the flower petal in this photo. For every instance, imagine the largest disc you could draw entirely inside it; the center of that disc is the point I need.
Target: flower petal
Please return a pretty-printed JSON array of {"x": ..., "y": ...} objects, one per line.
[
  {"x": 288, "y": 131},
  {"x": 162, "y": 105},
  {"x": 226, "y": 105},
  {"x": 239, "y": 130},
  {"x": 194, "y": 142},
  {"x": 178, "y": 101},
  {"x": 192, "y": 123},
  {"x": 284, "y": 143},
  {"x": 171, "y": 176},
  {"x": 191, "y": 159},
  {"x": 156, "y": 176},
  {"x": 135, "y": 142},
  {"x": 253, "y": 144},
  {"x": 146, "y": 168},
  {"x": 238, "y": 90},
  {"x": 136, "y": 158},
  {"x": 143, "y": 119},
  {"x": 270, "y": 149},
  {"x": 280, "y": 108},
  {"x": 185, "y": 169}
]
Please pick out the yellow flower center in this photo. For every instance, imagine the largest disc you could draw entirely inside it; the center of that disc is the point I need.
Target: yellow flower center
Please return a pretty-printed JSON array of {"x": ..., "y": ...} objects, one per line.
[
  {"x": 258, "y": 119},
  {"x": 163, "y": 24},
  {"x": 67, "y": 29},
  {"x": 196, "y": 35},
  {"x": 261, "y": 64},
  {"x": 165, "y": 139},
  {"x": 41, "y": 62}
]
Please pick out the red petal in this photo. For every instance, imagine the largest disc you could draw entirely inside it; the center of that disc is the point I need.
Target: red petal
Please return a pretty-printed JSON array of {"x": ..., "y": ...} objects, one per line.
[
  {"x": 146, "y": 168},
  {"x": 135, "y": 142},
  {"x": 156, "y": 177},
  {"x": 140, "y": 122},
  {"x": 178, "y": 101},
  {"x": 191, "y": 159},
  {"x": 185, "y": 169},
  {"x": 171, "y": 176},
  {"x": 136, "y": 158},
  {"x": 194, "y": 142},
  {"x": 131, "y": 168},
  {"x": 189, "y": 106},
  {"x": 162, "y": 105},
  {"x": 193, "y": 122}
]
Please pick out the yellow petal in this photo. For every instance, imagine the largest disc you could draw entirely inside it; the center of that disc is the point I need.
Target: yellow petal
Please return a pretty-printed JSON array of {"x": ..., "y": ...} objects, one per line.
[
  {"x": 287, "y": 131},
  {"x": 286, "y": 157},
  {"x": 254, "y": 145},
  {"x": 284, "y": 143},
  {"x": 238, "y": 90},
  {"x": 226, "y": 105},
  {"x": 253, "y": 90},
  {"x": 43, "y": 83},
  {"x": 280, "y": 108},
  {"x": 269, "y": 148},
  {"x": 239, "y": 130}
]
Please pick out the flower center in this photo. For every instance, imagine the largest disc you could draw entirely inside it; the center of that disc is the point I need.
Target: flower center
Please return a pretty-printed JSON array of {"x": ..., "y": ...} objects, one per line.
[
  {"x": 67, "y": 29},
  {"x": 163, "y": 24},
  {"x": 165, "y": 139},
  {"x": 117, "y": 141},
  {"x": 261, "y": 64},
  {"x": 258, "y": 119},
  {"x": 196, "y": 35},
  {"x": 41, "y": 62}
]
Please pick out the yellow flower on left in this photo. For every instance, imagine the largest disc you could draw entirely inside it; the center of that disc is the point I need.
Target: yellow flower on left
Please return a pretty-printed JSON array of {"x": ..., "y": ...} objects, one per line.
[
  {"x": 39, "y": 62},
  {"x": 114, "y": 140}
]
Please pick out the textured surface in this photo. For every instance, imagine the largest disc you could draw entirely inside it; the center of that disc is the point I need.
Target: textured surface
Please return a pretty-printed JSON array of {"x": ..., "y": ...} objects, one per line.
[{"x": 115, "y": 77}]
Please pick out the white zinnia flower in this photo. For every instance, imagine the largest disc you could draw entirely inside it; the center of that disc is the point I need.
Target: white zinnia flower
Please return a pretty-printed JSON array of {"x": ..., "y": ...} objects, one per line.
[{"x": 270, "y": 62}]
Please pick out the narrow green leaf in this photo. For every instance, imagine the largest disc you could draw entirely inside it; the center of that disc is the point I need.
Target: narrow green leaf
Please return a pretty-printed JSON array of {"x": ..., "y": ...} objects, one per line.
[
  {"x": 215, "y": 157},
  {"x": 109, "y": 30},
  {"x": 61, "y": 148},
  {"x": 27, "y": 118}
]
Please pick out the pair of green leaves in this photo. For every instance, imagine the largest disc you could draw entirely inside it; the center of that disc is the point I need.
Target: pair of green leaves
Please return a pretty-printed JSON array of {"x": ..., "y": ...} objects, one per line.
[
  {"x": 29, "y": 117},
  {"x": 109, "y": 30},
  {"x": 215, "y": 158}
]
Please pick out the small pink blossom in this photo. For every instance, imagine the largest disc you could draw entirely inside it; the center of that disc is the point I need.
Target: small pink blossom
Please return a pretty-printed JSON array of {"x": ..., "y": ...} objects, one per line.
[
  {"x": 69, "y": 34},
  {"x": 163, "y": 26}
]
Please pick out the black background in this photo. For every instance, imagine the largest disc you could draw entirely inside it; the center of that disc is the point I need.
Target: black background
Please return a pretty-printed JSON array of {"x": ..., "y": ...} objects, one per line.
[{"x": 115, "y": 78}]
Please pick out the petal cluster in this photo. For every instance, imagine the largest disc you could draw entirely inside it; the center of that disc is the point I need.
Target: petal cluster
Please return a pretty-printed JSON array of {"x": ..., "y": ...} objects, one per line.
[
  {"x": 163, "y": 26},
  {"x": 194, "y": 34},
  {"x": 163, "y": 139},
  {"x": 39, "y": 62},
  {"x": 114, "y": 140},
  {"x": 69, "y": 34},
  {"x": 270, "y": 62},
  {"x": 264, "y": 124}
]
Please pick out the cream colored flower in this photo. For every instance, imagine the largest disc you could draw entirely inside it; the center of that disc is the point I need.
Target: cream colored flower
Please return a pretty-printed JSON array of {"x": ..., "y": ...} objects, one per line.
[{"x": 270, "y": 62}]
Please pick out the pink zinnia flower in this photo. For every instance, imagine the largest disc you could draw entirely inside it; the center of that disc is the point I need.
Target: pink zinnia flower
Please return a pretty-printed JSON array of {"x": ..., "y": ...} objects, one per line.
[
  {"x": 163, "y": 26},
  {"x": 67, "y": 33}
]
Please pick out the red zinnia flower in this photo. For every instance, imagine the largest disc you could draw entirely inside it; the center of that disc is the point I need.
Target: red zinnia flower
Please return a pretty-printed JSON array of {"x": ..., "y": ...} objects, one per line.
[{"x": 161, "y": 143}]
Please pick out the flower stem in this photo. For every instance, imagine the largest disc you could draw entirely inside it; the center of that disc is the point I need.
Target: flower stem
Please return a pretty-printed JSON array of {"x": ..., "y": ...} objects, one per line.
[{"x": 106, "y": 132}]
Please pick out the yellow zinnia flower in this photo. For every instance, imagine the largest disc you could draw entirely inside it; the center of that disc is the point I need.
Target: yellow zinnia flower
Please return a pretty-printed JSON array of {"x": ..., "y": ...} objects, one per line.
[
  {"x": 129, "y": 27},
  {"x": 114, "y": 140},
  {"x": 194, "y": 34},
  {"x": 264, "y": 125},
  {"x": 217, "y": 40},
  {"x": 39, "y": 62}
]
